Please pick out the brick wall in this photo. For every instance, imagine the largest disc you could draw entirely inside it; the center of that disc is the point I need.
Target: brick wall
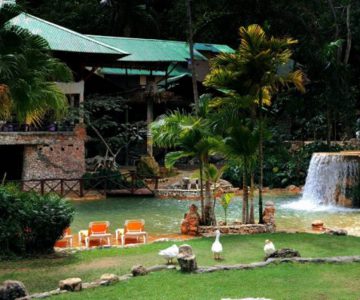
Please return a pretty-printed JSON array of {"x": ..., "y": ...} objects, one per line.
[{"x": 50, "y": 154}]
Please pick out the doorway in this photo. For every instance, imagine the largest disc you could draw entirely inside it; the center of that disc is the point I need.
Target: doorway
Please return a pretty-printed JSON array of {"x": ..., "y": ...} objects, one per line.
[{"x": 11, "y": 162}]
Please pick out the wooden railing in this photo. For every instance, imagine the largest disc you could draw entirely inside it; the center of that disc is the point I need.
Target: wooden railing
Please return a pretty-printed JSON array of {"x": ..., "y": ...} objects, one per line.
[{"x": 125, "y": 184}]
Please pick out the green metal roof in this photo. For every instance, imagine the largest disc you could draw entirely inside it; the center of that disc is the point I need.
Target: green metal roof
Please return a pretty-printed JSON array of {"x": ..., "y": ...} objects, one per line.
[
  {"x": 215, "y": 48},
  {"x": 150, "y": 50},
  {"x": 63, "y": 39}
]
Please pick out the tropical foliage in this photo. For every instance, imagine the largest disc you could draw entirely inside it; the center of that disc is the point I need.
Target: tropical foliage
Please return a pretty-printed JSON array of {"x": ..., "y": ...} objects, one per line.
[
  {"x": 27, "y": 74},
  {"x": 191, "y": 135},
  {"x": 328, "y": 107},
  {"x": 30, "y": 223},
  {"x": 251, "y": 77},
  {"x": 225, "y": 202}
]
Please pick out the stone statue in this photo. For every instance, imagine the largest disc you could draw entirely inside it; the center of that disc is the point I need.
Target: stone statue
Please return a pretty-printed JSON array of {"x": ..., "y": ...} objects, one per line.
[
  {"x": 269, "y": 213},
  {"x": 191, "y": 221}
]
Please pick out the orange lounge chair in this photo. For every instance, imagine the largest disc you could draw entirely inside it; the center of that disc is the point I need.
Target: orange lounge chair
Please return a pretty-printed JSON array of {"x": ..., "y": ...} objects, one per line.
[
  {"x": 67, "y": 239},
  {"x": 134, "y": 229},
  {"x": 98, "y": 230}
]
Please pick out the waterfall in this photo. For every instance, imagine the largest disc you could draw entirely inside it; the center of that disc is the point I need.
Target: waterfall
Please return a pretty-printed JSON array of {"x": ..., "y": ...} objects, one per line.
[{"x": 330, "y": 177}]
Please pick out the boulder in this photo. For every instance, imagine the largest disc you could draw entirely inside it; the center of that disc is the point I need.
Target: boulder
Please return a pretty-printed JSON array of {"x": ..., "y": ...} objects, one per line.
[
  {"x": 186, "y": 259},
  {"x": 139, "y": 270},
  {"x": 109, "y": 277},
  {"x": 317, "y": 225},
  {"x": 71, "y": 284},
  {"x": 333, "y": 231},
  {"x": 284, "y": 253},
  {"x": 12, "y": 289},
  {"x": 293, "y": 188}
]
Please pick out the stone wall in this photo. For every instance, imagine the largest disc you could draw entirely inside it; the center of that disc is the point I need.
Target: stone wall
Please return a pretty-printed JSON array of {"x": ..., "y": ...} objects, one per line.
[
  {"x": 190, "y": 225},
  {"x": 237, "y": 229},
  {"x": 50, "y": 154}
]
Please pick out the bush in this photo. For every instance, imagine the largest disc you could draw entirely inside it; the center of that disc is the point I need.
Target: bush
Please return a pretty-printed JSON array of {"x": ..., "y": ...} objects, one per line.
[
  {"x": 109, "y": 180},
  {"x": 104, "y": 178},
  {"x": 31, "y": 223},
  {"x": 147, "y": 166}
]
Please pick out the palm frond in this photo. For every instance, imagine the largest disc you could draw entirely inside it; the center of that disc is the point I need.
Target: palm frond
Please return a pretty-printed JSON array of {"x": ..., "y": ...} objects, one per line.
[{"x": 172, "y": 157}]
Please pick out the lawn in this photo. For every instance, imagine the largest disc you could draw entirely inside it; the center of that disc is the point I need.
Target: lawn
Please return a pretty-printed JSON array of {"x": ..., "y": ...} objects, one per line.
[{"x": 278, "y": 282}]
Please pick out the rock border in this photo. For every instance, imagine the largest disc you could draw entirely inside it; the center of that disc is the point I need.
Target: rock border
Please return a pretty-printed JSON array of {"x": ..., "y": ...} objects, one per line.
[
  {"x": 200, "y": 270},
  {"x": 251, "y": 266}
]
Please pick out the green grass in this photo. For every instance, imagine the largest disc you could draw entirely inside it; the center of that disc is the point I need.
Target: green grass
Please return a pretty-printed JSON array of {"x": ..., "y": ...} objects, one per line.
[
  {"x": 43, "y": 274},
  {"x": 276, "y": 282}
]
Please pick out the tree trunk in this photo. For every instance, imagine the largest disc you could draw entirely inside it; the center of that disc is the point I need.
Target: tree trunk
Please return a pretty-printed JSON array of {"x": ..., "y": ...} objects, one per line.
[
  {"x": 348, "y": 35},
  {"x": 252, "y": 215},
  {"x": 245, "y": 209},
  {"x": 261, "y": 159},
  {"x": 337, "y": 28},
  {"x": 150, "y": 119},
  {"x": 202, "y": 192},
  {"x": 209, "y": 211},
  {"x": 192, "y": 62}
]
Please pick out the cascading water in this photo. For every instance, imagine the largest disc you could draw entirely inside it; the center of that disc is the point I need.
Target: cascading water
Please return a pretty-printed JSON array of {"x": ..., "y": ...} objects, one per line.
[
  {"x": 330, "y": 176},
  {"x": 329, "y": 182}
]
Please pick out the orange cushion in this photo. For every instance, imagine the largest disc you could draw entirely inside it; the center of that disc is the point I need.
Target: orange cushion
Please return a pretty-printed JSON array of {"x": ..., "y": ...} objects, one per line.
[
  {"x": 98, "y": 228},
  {"x": 61, "y": 244},
  {"x": 134, "y": 226}
]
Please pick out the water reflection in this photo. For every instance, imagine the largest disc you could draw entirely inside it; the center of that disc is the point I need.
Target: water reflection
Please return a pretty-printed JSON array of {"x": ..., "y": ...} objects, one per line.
[{"x": 164, "y": 216}]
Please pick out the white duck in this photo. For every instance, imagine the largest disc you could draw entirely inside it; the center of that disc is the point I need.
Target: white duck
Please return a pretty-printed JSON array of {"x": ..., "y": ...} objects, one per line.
[
  {"x": 169, "y": 253},
  {"x": 269, "y": 248},
  {"x": 216, "y": 247}
]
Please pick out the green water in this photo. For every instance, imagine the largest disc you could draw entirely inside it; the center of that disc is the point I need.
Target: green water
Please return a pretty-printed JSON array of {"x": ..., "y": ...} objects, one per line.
[{"x": 164, "y": 216}]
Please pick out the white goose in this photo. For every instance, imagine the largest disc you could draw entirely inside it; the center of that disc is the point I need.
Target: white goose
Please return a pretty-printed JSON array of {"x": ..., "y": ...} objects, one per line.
[
  {"x": 169, "y": 253},
  {"x": 216, "y": 247},
  {"x": 269, "y": 248}
]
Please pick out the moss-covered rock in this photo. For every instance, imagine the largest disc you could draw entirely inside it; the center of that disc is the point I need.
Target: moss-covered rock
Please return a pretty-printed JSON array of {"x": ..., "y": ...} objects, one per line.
[{"x": 147, "y": 166}]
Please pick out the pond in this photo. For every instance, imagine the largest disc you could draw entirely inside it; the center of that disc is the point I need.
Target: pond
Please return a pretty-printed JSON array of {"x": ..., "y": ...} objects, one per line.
[{"x": 164, "y": 216}]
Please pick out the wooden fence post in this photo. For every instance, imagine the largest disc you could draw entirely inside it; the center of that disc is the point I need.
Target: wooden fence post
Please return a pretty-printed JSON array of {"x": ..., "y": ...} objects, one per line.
[
  {"x": 62, "y": 187},
  {"x": 132, "y": 174},
  {"x": 42, "y": 187},
  {"x": 81, "y": 186}
]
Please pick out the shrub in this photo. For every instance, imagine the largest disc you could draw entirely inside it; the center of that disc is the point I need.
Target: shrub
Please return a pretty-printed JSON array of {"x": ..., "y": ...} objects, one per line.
[
  {"x": 104, "y": 178},
  {"x": 147, "y": 166},
  {"x": 31, "y": 223},
  {"x": 109, "y": 180}
]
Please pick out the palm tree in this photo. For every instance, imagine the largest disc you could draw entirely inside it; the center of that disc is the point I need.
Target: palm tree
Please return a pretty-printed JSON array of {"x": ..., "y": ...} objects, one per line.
[
  {"x": 213, "y": 175},
  {"x": 241, "y": 145},
  {"x": 27, "y": 74},
  {"x": 253, "y": 74},
  {"x": 190, "y": 134}
]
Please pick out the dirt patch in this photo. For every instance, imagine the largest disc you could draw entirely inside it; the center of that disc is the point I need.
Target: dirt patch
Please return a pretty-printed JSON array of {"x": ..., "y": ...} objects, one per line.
[{"x": 112, "y": 262}]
